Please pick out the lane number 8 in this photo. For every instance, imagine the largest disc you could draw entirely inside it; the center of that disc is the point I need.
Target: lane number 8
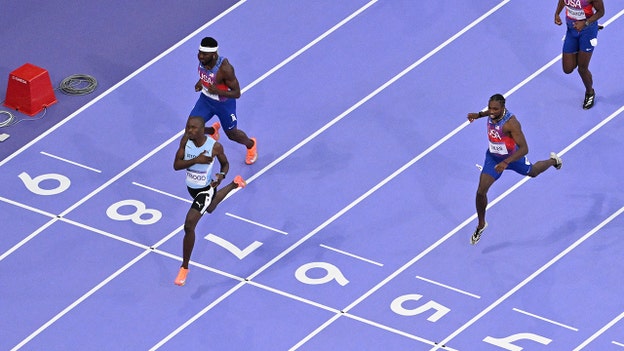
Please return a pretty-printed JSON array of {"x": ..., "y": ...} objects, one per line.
[{"x": 138, "y": 216}]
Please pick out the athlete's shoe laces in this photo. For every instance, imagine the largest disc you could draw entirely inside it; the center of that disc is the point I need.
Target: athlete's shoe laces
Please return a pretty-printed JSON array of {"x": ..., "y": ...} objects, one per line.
[
  {"x": 216, "y": 126},
  {"x": 238, "y": 180},
  {"x": 558, "y": 160},
  {"x": 589, "y": 100},
  {"x": 476, "y": 236},
  {"x": 181, "y": 278},
  {"x": 252, "y": 154}
]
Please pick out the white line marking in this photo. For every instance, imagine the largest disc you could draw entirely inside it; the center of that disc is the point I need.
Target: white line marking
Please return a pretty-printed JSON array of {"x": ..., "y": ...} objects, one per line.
[
  {"x": 70, "y": 162},
  {"x": 377, "y": 91},
  {"x": 545, "y": 319},
  {"x": 448, "y": 287},
  {"x": 617, "y": 343},
  {"x": 533, "y": 276},
  {"x": 616, "y": 16},
  {"x": 256, "y": 223},
  {"x": 599, "y": 332},
  {"x": 162, "y": 192},
  {"x": 427, "y": 250},
  {"x": 26, "y": 207},
  {"x": 93, "y": 291},
  {"x": 106, "y": 234},
  {"x": 312, "y": 43},
  {"x": 396, "y": 331},
  {"x": 351, "y": 255},
  {"x": 134, "y": 165},
  {"x": 80, "y": 300},
  {"x": 197, "y": 316},
  {"x": 122, "y": 82}
]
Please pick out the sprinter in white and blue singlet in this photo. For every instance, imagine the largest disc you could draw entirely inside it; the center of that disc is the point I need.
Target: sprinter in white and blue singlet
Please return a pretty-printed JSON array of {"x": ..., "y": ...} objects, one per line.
[
  {"x": 196, "y": 155},
  {"x": 507, "y": 150},
  {"x": 581, "y": 38},
  {"x": 219, "y": 90}
]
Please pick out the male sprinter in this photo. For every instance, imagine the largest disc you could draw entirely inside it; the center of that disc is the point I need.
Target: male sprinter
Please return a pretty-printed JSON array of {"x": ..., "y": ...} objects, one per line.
[
  {"x": 219, "y": 90},
  {"x": 196, "y": 154}
]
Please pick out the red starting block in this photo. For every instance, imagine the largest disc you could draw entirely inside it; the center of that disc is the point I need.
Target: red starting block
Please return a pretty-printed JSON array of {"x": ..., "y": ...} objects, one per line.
[{"x": 29, "y": 90}]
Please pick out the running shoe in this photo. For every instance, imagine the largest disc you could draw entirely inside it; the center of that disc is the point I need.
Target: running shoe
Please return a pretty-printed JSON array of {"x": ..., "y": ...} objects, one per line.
[
  {"x": 238, "y": 180},
  {"x": 216, "y": 126},
  {"x": 589, "y": 100},
  {"x": 181, "y": 278},
  {"x": 252, "y": 154},
  {"x": 558, "y": 161},
  {"x": 476, "y": 236}
]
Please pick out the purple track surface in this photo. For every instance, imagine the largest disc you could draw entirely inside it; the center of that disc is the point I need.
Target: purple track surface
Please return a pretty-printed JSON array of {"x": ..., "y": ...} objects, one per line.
[{"x": 353, "y": 232}]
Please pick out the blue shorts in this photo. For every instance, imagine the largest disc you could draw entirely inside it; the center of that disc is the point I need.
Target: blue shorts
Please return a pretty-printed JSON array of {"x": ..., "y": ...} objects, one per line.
[
  {"x": 206, "y": 107},
  {"x": 521, "y": 166},
  {"x": 576, "y": 41}
]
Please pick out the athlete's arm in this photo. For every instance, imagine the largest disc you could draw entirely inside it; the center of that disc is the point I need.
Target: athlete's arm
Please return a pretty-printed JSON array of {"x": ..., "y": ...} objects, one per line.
[
  {"x": 180, "y": 163},
  {"x": 515, "y": 131},
  {"x": 217, "y": 151},
  {"x": 475, "y": 115},
  {"x": 600, "y": 11},
  {"x": 560, "y": 6},
  {"x": 229, "y": 78}
]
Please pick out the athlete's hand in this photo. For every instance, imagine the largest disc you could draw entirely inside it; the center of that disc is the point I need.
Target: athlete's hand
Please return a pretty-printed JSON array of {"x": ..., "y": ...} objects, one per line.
[
  {"x": 500, "y": 166},
  {"x": 472, "y": 116},
  {"x": 203, "y": 158},
  {"x": 558, "y": 20},
  {"x": 579, "y": 25},
  {"x": 198, "y": 86}
]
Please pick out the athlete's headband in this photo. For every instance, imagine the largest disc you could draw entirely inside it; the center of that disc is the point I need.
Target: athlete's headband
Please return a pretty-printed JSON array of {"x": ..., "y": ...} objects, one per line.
[{"x": 208, "y": 49}]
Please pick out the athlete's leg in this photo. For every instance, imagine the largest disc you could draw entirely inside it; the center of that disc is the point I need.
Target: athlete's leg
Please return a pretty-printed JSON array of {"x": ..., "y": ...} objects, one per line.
[
  {"x": 485, "y": 182},
  {"x": 583, "y": 59},
  {"x": 222, "y": 193},
  {"x": 569, "y": 61},
  {"x": 192, "y": 218},
  {"x": 240, "y": 137},
  {"x": 540, "y": 166}
]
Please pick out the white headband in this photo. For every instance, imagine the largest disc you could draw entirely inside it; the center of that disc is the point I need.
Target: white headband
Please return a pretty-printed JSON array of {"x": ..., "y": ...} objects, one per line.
[{"x": 208, "y": 49}]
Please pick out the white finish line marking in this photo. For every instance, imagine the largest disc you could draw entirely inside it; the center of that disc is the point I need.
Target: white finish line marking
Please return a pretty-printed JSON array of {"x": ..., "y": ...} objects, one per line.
[{"x": 448, "y": 287}]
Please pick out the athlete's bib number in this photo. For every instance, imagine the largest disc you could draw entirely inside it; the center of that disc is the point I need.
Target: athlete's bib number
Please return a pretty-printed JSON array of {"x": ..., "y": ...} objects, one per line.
[
  {"x": 200, "y": 179},
  {"x": 498, "y": 148},
  {"x": 577, "y": 14}
]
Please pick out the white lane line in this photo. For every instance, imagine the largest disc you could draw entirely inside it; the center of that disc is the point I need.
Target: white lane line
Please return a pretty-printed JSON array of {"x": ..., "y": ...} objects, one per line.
[
  {"x": 309, "y": 45},
  {"x": 545, "y": 319},
  {"x": 162, "y": 192},
  {"x": 26, "y": 207},
  {"x": 127, "y": 170},
  {"x": 70, "y": 162},
  {"x": 424, "y": 252},
  {"x": 80, "y": 300},
  {"x": 351, "y": 255},
  {"x": 377, "y": 91},
  {"x": 599, "y": 332},
  {"x": 449, "y": 287},
  {"x": 120, "y": 83},
  {"x": 256, "y": 223},
  {"x": 396, "y": 331},
  {"x": 531, "y": 277},
  {"x": 93, "y": 290},
  {"x": 617, "y": 343}
]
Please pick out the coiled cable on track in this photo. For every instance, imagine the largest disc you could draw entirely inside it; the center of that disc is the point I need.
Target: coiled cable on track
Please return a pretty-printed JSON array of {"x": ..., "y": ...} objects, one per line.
[
  {"x": 8, "y": 119},
  {"x": 78, "y": 84}
]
